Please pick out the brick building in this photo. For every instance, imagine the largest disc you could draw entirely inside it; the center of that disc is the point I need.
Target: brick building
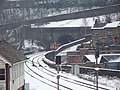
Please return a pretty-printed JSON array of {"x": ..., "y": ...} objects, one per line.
[{"x": 106, "y": 34}]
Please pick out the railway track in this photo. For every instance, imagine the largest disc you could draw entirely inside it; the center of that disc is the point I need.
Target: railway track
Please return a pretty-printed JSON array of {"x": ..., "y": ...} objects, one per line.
[
  {"x": 53, "y": 74},
  {"x": 47, "y": 78}
]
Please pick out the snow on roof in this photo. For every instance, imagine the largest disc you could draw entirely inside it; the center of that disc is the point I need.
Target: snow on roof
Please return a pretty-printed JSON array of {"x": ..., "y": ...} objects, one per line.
[
  {"x": 87, "y": 42},
  {"x": 97, "y": 28},
  {"x": 115, "y": 60},
  {"x": 110, "y": 54},
  {"x": 108, "y": 25},
  {"x": 92, "y": 57},
  {"x": 68, "y": 23},
  {"x": 113, "y": 24}
]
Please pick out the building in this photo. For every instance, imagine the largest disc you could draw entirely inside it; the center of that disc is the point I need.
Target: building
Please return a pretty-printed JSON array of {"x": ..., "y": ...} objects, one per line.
[
  {"x": 109, "y": 61},
  {"x": 106, "y": 36},
  {"x": 74, "y": 57},
  {"x": 11, "y": 67}
]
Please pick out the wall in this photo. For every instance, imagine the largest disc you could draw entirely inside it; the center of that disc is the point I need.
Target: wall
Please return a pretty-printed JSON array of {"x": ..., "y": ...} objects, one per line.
[
  {"x": 105, "y": 36},
  {"x": 17, "y": 76},
  {"x": 74, "y": 59},
  {"x": 2, "y": 82}
]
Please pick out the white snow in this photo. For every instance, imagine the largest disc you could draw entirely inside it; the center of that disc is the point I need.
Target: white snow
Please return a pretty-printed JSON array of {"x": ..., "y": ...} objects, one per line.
[
  {"x": 68, "y": 23},
  {"x": 113, "y": 24},
  {"x": 92, "y": 57},
  {"x": 38, "y": 83},
  {"x": 71, "y": 48},
  {"x": 109, "y": 25},
  {"x": 35, "y": 84},
  {"x": 31, "y": 45},
  {"x": 115, "y": 60}
]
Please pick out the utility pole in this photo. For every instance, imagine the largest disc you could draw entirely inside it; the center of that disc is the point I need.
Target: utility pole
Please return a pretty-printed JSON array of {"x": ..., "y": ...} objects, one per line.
[
  {"x": 58, "y": 76},
  {"x": 96, "y": 57},
  {"x": 96, "y": 69},
  {"x": 58, "y": 62}
]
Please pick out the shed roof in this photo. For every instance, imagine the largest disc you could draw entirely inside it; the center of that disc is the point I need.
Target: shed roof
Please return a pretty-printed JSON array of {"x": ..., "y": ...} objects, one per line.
[
  {"x": 10, "y": 53},
  {"x": 91, "y": 58},
  {"x": 108, "y": 57},
  {"x": 112, "y": 25},
  {"x": 102, "y": 26},
  {"x": 98, "y": 26}
]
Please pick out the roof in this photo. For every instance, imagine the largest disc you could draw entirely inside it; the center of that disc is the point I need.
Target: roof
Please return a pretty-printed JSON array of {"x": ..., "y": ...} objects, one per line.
[
  {"x": 102, "y": 26},
  {"x": 108, "y": 57},
  {"x": 98, "y": 25},
  {"x": 92, "y": 58},
  {"x": 88, "y": 22},
  {"x": 115, "y": 60},
  {"x": 112, "y": 25},
  {"x": 9, "y": 53}
]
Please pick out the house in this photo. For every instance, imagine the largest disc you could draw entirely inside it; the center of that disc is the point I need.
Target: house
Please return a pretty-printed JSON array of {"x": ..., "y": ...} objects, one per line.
[
  {"x": 106, "y": 36},
  {"x": 11, "y": 67},
  {"x": 110, "y": 61}
]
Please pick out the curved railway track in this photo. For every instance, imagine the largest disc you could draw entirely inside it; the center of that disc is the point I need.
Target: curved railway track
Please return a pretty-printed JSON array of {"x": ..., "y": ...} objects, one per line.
[
  {"x": 80, "y": 83},
  {"x": 90, "y": 86},
  {"x": 67, "y": 79},
  {"x": 46, "y": 78},
  {"x": 39, "y": 79}
]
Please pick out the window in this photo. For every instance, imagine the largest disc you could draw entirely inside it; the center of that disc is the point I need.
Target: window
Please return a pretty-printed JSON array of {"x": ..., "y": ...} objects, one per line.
[
  {"x": 2, "y": 74},
  {"x": 109, "y": 33}
]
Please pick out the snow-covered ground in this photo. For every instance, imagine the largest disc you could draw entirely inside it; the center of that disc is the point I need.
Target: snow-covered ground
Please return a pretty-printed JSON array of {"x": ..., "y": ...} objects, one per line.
[{"x": 44, "y": 78}]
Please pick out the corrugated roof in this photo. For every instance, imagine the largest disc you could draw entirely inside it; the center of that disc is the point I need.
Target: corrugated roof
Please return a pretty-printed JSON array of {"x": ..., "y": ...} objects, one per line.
[{"x": 10, "y": 53}]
